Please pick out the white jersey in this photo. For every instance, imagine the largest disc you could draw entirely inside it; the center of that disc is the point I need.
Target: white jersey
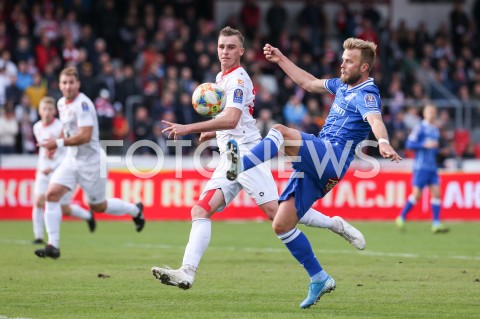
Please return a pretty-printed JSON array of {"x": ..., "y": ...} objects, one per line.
[
  {"x": 43, "y": 133},
  {"x": 75, "y": 114},
  {"x": 241, "y": 95}
]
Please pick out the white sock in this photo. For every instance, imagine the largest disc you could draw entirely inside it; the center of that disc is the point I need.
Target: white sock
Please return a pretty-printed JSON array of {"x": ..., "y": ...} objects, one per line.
[
  {"x": 119, "y": 207},
  {"x": 80, "y": 212},
  {"x": 53, "y": 219},
  {"x": 313, "y": 218},
  {"x": 198, "y": 242},
  {"x": 38, "y": 222}
]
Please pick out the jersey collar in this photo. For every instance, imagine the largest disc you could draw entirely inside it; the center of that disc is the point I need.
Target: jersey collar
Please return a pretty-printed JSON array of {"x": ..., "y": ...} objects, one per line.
[
  {"x": 70, "y": 101},
  {"x": 231, "y": 70}
]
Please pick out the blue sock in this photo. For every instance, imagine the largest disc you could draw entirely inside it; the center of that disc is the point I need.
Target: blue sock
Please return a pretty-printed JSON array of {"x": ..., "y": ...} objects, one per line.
[
  {"x": 300, "y": 247},
  {"x": 435, "y": 202},
  {"x": 408, "y": 207},
  {"x": 263, "y": 151}
]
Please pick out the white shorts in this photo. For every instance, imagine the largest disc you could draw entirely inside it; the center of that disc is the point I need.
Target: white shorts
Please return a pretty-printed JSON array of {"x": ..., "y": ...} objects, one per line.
[
  {"x": 70, "y": 174},
  {"x": 41, "y": 187},
  {"x": 258, "y": 182}
]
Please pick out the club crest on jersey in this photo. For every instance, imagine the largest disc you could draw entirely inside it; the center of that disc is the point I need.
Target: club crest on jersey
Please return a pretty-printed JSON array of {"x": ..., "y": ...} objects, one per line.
[
  {"x": 238, "y": 96},
  {"x": 370, "y": 101},
  {"x": 85, "y": 106}
]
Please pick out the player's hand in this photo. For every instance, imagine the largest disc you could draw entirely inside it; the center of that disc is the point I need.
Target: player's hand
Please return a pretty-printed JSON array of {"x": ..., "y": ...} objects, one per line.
[
  {"x": 50, "y": 144},
  {"x": 387, "y": 151},
  {"x": 175, "y": 130},
  {"x": 205, "y": 136},
  {"x": 271, "y": 53}
]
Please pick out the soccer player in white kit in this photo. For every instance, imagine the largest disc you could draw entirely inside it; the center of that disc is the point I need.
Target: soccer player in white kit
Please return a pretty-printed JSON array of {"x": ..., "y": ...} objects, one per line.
[
  {"x": 235, "y": 121},
  {"x": 82, "y": 164},
  {"x": 51, "y": 127}
]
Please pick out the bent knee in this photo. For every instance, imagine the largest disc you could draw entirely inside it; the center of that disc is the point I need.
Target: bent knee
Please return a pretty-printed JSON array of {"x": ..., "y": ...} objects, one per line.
[
  {"x": 199, "y": 212},
  {"x": 99, "y": 208},
  {"x": 280, "y": 228},
  {"x": 281, "y": 128}
]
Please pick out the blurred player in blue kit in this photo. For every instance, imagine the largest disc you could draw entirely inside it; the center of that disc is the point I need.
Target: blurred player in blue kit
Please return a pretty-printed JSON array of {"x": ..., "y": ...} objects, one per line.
[
  {"x": 323, "y": 159},
  {"x": 424, "y": 140}
]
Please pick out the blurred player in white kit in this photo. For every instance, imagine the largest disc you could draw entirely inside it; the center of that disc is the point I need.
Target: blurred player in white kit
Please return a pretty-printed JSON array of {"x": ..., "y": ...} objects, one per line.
[
  {"x": 51, "y": 127},
  {"x": 82, "y": 164}
]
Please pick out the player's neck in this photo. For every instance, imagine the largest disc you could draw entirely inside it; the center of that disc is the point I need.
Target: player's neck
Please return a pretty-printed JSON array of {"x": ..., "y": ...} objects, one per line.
[
  {"x": 46, "y": 122},
  {"x": 362, "y": 80},
  {"x": 68, "y": 101}
]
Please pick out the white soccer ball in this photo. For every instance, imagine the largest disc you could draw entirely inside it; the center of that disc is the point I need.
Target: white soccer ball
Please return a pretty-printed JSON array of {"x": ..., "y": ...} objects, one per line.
[{"x": 208, "y": 99}]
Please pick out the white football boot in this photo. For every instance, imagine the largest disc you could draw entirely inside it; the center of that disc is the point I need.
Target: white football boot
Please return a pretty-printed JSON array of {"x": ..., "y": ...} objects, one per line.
[
  {"x": 348, "y": 232},
  {"x": 173, "y": 277}
]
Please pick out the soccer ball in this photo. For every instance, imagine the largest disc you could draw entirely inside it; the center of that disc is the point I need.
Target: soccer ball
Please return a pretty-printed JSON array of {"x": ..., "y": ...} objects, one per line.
[{"x": 208, "y": 99}]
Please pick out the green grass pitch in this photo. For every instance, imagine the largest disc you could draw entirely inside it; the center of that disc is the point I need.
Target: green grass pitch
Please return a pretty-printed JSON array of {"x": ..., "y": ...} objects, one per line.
[{"x": 245, "y": 273}]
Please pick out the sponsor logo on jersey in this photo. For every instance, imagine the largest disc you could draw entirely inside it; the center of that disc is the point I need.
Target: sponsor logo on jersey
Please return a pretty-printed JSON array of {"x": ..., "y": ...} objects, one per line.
[
  {"x": 240, "y": 82},
  {"x": 85, "y": 106},
  {"x": 370, "y": 101},
  {"x": 331, "y": 184},
  {"x": 238, "y": 96}
]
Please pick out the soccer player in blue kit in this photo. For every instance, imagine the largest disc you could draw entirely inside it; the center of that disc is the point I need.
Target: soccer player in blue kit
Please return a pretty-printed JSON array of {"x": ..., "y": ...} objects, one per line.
[
  {"x": 325, "y": 158},
  {"x": 424, "y": 141}
]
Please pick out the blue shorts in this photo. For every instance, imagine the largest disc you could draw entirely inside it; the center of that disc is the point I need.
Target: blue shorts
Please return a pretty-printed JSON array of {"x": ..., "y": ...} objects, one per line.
[
  {"x": 317, "y": 179},
  {"x": 425, "y": 178}
]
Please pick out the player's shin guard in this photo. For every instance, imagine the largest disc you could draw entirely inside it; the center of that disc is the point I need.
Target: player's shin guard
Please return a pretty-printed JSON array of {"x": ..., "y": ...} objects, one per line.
[
  {"x": 200, "y": 235},
  {"x": 408, "y": 206},
  {"x": 301, "y": 249},
  {"x": 38, "y": 221},
  {"x": 263, "y": 151},
  {"x": 436, "y": 206},
  {"x": 53, "y": 219},
  {"x": 118, "y": 207}
]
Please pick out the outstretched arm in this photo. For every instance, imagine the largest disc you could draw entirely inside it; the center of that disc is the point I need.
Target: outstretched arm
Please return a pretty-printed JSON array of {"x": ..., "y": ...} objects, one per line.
[
  {"x": 226, "y": 122},
  {"x": 299, "y": 76},
  {"x": 380, "y": 132}
]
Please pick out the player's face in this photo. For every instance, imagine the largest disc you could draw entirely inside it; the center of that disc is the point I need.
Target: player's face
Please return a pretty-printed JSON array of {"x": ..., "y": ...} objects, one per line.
[
  {"x": 47, "y": 112},
  {"x": 429, "y": 114},
  {"x": 69, "y": 85},
  {"x": 230, "y": 50},
  {"x": 351, "y": 67}
]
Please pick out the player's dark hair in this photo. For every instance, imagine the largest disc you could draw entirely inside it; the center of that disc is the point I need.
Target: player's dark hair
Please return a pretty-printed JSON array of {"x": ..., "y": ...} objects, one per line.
[
  {"x": 228, "y": 32},
  {"x": 367, "y": 49}
]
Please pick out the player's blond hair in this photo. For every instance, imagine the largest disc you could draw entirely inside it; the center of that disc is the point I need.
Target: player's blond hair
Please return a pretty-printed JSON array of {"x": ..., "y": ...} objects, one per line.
[
  {"x": 367, "y": 49},
  {"x": 229, "y": 31},
  {"x": 47, "y": 100},
  {"x": 71, "y": 70}
]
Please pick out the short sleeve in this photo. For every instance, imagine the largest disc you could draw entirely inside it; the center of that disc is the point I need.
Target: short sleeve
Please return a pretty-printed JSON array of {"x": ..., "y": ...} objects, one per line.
[
  {"x": 332, "y": 85},
  {"x": 236, "y": 93},
  {"x": 85, "y": 114},
  {"x": 370, "y": 103}
]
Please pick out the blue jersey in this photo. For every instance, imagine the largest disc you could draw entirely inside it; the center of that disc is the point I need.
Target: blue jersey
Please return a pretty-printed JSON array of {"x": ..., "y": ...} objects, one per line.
[
  {"x": 425, "y": 158},
  {"x": 347, "y": 120}
]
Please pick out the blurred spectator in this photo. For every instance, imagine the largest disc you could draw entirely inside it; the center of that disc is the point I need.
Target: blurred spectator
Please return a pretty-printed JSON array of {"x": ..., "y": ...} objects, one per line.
[
  {"x": 265, "y": 121},
  {"x": 127, "y": 86},
  {"x": 275, "y": 19},
  {"x": 105, "y": 113},
  {"x": 12, "y": 91},
  {"x": 313, "y": 18},
  {"x": 8, "y": 129},
  {"x": 36, "y": 91},
  {"x": 24, "y": 78},
  {"x": 294, "y": 112},
  {"x": 142, "y": 127},
  {"x": 459, "y": 26},
  {"x": 250, "y": 18}
]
